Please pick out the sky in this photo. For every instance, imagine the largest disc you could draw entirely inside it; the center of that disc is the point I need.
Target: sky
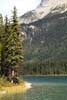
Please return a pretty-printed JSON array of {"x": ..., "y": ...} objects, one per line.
[{"x": 22, "y": 6}]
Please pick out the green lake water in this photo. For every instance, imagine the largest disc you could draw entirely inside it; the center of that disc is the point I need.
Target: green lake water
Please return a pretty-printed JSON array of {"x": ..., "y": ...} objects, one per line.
[{"x": 43, "y": 88}]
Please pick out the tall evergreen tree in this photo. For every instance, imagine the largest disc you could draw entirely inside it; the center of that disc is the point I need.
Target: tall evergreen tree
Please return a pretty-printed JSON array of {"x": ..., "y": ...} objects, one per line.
[
  {"x": 10, "y": 47},
  {"x": 17, "y": 47},
  {"x": 1, "y": 26},
  {"x": 4, "y": 52},
  {"x": 14, "y": 45},
  {"x": 1, "y": 37}
]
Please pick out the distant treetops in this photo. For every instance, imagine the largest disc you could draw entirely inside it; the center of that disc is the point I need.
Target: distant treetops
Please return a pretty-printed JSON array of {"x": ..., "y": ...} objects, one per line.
[{"x": 11, "y": 51}]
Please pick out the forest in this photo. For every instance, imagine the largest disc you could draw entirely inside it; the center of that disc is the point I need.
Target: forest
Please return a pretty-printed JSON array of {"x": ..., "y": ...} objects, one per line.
[{"x": 46, "y": 67}]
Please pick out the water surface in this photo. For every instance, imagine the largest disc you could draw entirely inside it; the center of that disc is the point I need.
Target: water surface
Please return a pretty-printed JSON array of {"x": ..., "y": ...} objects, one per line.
[{"x": 43, "y": 88}]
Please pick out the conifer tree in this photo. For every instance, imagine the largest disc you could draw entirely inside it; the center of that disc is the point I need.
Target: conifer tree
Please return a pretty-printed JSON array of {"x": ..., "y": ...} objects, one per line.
[
  {"x": 10, "y": 47},
  {"x": 1, "y": 37},
  {"x": 4, "y": 53},
  {"x": 17, "y": 47},
  {"x": 14, "y": 47},
  {"x": 1, "y": 28}
]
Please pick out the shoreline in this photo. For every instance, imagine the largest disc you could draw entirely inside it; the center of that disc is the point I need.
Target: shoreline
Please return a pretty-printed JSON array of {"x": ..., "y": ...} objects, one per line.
[
  {"x": 47, "y": 75},
  {"x": 28, "y": 85},
  {"x": 23, "y": 87}
]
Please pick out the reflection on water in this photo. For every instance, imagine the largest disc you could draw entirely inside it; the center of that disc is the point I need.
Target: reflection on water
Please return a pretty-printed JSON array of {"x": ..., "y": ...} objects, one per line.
[{"x": 43, "y": 91}]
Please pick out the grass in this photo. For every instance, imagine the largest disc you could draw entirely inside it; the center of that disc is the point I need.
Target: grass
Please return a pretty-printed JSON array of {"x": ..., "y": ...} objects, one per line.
[
  {"x": 9, "y": 88},
  {"x": 15, "y": 89}
]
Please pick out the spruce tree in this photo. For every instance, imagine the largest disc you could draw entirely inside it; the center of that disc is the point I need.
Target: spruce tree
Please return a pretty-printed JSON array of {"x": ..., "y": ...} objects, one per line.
[
  {"x": 1, "y": 29},
  {"x": 1, "y": 39},
  {"x": 4, "y": 48},
  {"x": 17, "y": 47},
  {"x": 1, "y": 26},
  {"x": 14, "y": 45},
  {"x": 11, "y": 49}
]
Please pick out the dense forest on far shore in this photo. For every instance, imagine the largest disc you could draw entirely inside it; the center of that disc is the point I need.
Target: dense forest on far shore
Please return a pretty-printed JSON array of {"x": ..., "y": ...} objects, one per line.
[{"x": 48, "y": 67}]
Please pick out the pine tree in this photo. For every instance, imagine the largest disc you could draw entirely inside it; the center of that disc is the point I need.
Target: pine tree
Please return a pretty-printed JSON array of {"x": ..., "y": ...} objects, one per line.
[
  {"x": 1, "y": 26},
  {"x": 17, "y": 47},
  {"x": 4, "y": 53},
  {"x": 1, "y": 38},
  {"x": 11, "y": 49},
  {"x": 14, "y": 47}
]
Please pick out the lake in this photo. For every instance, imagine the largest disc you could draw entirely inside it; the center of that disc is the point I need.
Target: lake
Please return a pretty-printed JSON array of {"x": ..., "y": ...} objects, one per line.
[{"x": 43, "y": 88}]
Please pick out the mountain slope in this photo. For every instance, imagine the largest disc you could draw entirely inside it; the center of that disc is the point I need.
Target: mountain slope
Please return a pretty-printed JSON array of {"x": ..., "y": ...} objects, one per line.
[
  {"x": 46, "y": 7},
  {"x": 46, "y": 37}
]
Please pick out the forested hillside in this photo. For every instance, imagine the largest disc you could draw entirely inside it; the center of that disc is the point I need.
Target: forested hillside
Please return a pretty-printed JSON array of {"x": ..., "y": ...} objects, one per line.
[{"x": 45, "y": 44}]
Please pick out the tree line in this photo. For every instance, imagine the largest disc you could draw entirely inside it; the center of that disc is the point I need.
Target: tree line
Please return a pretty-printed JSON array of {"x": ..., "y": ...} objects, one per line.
[
  {"x": 11, "y": 56},
  {"x": 45, "y": 67}
]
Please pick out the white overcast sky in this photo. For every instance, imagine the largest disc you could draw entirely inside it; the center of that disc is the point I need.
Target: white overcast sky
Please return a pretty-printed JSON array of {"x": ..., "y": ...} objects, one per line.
[{"x": 22, "y": 6}]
